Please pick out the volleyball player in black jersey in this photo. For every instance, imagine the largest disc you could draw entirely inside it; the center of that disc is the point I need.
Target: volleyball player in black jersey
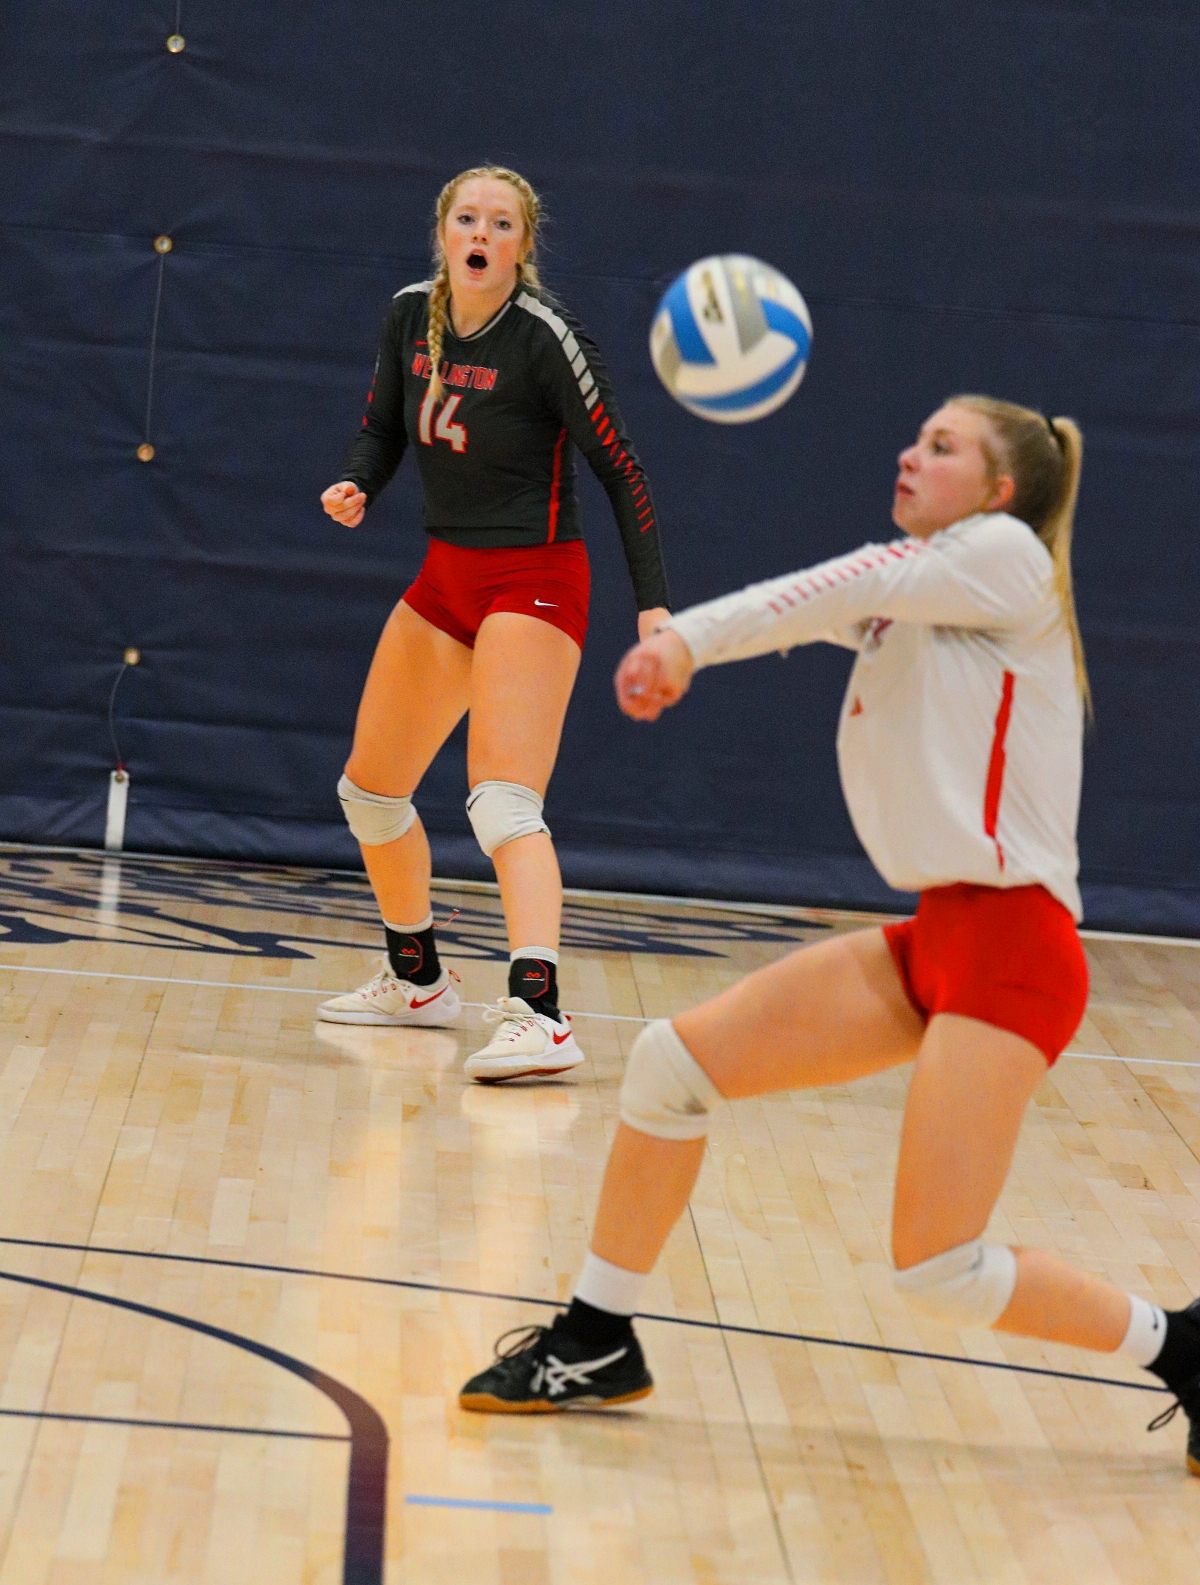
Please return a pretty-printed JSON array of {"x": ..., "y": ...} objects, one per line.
[{"x": 493, "y": 384}]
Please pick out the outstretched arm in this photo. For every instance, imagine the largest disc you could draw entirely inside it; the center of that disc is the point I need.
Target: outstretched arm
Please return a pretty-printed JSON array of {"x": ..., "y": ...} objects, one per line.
[{"x": 987, "y": 578}]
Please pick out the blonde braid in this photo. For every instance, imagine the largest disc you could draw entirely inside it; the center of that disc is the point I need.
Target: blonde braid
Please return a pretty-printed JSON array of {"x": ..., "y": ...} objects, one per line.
[
  {"x": 439, "y": 310},
  {"x": 439, "y": 295}
]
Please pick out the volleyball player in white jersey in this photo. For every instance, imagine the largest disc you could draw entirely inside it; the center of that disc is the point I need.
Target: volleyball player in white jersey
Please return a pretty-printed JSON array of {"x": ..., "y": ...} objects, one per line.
[{"x": 960, "y": 754}]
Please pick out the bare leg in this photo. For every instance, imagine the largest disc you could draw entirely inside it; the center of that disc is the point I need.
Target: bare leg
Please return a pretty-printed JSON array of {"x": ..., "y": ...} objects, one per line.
[
  {"x": 521, "y": 683},
  {"x": 824, "y": 1015},
  {"x": 415, "y": 694},
  {"x": 969, "y": 1092}
]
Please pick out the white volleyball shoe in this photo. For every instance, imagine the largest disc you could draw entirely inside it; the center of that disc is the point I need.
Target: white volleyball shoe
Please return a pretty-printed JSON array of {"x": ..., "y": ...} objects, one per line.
[
  {"x": 388, "y": 1000},
  {"x": 525, "y": 1044}
]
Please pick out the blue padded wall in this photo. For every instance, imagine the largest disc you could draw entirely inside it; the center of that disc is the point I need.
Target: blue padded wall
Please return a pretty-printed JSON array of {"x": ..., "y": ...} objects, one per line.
[{"x": 1001, "y": 197}]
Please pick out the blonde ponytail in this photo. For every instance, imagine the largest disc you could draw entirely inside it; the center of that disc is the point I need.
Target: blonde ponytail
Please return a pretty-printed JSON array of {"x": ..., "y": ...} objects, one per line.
[
  {"x": 1055, "y": 533},
  {"x": 439, "y": 294},
  {"x": 1045, "y": 458}
]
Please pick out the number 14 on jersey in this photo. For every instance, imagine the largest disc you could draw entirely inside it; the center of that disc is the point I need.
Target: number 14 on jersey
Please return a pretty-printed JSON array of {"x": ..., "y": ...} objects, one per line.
[{"x": 443, "y": 427}]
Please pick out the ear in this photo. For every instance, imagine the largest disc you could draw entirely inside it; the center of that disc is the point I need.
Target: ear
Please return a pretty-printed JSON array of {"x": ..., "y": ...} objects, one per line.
[{"x": 1003, "y": 490}]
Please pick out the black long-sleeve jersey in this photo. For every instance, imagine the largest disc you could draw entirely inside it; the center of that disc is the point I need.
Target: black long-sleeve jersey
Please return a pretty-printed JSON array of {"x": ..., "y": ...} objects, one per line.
[{"x": 496, "y": 451}]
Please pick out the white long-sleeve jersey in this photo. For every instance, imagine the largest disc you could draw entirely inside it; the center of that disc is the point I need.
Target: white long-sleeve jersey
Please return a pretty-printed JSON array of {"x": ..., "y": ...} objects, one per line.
[{"x": 960, "y": 741}]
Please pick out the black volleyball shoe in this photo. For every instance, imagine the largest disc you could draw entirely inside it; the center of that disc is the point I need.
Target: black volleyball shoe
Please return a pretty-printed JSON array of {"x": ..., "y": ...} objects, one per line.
[
  {"x": 1178, "y": 1367},
  {"x": 544, "y": 1370},
  {"x": 1189, "y": 1401}
]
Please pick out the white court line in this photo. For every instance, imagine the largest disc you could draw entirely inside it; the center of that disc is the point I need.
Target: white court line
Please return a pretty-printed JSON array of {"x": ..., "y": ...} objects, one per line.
[
  {"x": 231, "y": 985},
  {"x": 615, "y": 1018}
]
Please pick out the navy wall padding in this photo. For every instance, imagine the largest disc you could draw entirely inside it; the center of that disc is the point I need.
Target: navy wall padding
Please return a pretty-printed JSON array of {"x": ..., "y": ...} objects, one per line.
[{"x": 973, "y": 196}]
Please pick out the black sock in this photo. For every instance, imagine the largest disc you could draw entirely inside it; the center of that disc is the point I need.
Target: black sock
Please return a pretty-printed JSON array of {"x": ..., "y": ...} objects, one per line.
[
  {"x": 592, "y": 1327},
  {"x": 536, "y": 982},
  {"x": 413, "y": 956},
  {"x": 1178, "y": 1365}
]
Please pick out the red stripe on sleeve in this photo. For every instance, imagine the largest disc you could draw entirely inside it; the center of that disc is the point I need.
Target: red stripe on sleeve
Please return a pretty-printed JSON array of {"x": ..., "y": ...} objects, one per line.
[
  {"x": 995, "y": 775},
  {"x": 555, "y": 480}
]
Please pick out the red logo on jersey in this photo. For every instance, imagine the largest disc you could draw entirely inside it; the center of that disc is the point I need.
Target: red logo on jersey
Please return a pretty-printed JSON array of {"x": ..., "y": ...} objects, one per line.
[
  {"x": 462, "y": 375},
  {"x": 856, "y": 708}
]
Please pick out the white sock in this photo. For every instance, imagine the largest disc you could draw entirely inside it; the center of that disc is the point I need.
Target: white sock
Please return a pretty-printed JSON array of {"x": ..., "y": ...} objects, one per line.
[
  {"x": 609, "y": 1287},
  {"x": 409, "y": 930},
  {"x": 543, "y": 953},
  {"x": 1147, "y": 1332}
]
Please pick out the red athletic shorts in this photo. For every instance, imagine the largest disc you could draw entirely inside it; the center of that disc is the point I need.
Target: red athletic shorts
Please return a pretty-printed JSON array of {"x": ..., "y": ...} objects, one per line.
[
  {"x": 456, "y": 587},
  {"x": 1011, "y": 958}
]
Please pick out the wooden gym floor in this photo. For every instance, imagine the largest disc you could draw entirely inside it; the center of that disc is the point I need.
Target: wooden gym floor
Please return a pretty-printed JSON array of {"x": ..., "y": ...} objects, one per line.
[{"x": 246, "y": 1261}]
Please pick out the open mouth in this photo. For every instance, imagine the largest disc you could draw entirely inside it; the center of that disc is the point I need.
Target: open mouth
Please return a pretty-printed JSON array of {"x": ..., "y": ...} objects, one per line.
[{"x": 477, "y": 263}]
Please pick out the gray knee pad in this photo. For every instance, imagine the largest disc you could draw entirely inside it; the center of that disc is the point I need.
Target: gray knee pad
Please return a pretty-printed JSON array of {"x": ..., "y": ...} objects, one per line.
[
  {"x": 970, "y": 1285},
  {"x": 373, "y": 818},
  {"x": 502, "y": 811},
  {"x": 666, "y": 1092}
]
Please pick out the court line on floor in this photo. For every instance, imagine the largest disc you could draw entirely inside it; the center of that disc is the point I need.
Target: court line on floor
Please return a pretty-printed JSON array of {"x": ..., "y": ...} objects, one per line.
[
  {"x": 366, "y": 1483},
  {"x": 168, "y": 1425},
  {"x": 556, "y": 1304},
  {"x": 616, "y": 1018},
  {"x": 479, "y": 1502},
  {"x": 233, "y": 985}
]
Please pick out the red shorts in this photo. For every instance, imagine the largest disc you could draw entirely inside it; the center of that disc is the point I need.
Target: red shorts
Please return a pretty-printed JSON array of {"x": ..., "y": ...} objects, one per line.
[
  {"x": 456, "y": 587},
  {"x": 1011, "y": 958}
]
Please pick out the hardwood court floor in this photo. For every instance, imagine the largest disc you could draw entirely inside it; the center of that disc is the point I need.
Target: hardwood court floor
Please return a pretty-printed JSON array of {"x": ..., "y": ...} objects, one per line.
[{"x": 167, "y": 1101}]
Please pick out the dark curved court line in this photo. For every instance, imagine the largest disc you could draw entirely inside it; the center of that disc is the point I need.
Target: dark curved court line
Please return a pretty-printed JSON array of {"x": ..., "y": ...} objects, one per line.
[
  {"x": 168, "y": 1425},
  {"x": 366, "y": 1486},
  {"x": 557, "y": 1304}
]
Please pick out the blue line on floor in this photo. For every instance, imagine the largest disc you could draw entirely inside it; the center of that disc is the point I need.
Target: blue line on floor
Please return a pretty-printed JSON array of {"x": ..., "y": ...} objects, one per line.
[{"x": 479, "y": 1502}]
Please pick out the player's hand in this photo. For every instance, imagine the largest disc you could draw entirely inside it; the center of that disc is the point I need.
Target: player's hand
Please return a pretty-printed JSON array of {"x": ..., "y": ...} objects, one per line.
[
  {"x": 345, "y": 503},
  {"x": 649, "y": 620},
  {"x": 654, "y": 675}
]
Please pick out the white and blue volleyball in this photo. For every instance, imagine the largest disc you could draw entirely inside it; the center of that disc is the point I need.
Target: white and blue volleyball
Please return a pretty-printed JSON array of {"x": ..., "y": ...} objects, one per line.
[{"x": 730, "y": 339}]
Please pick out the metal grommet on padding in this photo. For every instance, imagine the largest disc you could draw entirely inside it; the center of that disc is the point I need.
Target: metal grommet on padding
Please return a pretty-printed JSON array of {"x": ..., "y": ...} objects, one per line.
[
  {"x": 163, "y": 244},
  {"x": 145, "y": 452},
  {"x": 175, "y": 43}
]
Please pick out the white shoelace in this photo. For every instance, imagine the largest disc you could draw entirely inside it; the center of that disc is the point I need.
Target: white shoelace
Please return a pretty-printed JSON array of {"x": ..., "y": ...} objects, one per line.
[
  {"x": 495, "y": 1014},
  {"x": 374, "y": 986}
]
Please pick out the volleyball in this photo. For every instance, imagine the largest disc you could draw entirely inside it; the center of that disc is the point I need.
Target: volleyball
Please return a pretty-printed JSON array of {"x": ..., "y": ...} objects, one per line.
[{"x": 730, "y": 339}]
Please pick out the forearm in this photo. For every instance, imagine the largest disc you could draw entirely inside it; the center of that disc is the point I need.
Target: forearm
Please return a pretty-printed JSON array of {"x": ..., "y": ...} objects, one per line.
[
  {"x": 642, "y": 547},
  {"x": 765, "y": 617},
  {"x": 373, "y": 459}
]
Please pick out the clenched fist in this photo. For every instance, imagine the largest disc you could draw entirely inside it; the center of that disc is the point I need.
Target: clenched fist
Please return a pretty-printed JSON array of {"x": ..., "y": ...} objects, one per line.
[{"x": 345, "y": 503}]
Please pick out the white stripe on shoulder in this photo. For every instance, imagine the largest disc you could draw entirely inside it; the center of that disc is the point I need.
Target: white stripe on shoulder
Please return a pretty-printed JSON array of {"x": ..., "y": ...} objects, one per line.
[
  {"x": 417, "y": 286},
  {"x": 571, "y": 348}
]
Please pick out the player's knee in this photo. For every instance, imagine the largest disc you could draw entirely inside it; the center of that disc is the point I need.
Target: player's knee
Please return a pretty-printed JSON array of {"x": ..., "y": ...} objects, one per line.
[
  {"x": 666, "y": 1092},
  {"x": 970, "y": 1285},
  {"x": 502, "y": 811},
  {"x": 373, "y": 818}
]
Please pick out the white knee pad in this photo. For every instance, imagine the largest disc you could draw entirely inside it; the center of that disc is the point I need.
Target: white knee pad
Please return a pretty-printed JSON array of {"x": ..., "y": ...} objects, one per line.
[
  {"x": 502, "y": 811},
  {"x": 666, "y": 1092},
  {"x": 970, "y": 1285},
  {"x": 373, "y": 818}
]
